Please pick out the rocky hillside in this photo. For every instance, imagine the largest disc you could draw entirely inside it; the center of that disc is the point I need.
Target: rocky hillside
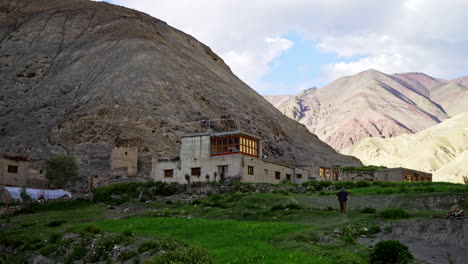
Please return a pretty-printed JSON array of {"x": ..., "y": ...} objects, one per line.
[
  {"x": 82, "y": 77},
  {"x": 441, "y": 150},
  {"x": 375, "y": 104},
  {"x": 277, "y": 100}
]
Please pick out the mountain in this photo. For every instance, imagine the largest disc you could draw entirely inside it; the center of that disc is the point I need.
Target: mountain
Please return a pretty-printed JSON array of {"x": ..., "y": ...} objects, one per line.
[
  {"x": 81, "y": 77},
  {"x": 368, "y": 104},
  {"x": 462, "y": 81},
  {"x": 277, "y": 100},
  {"x": 441, "y": 150},
  {"x": 452, "y": 96}
]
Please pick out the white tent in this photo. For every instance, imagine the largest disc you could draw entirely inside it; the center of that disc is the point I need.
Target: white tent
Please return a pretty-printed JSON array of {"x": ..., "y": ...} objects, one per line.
[{"x": 35, "y": 194}]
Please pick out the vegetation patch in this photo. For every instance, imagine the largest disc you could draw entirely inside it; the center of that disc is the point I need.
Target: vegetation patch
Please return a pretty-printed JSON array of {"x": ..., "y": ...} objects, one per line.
[
  {"x": 394, "y": 213},
  {"x": 390, "y": 252}
]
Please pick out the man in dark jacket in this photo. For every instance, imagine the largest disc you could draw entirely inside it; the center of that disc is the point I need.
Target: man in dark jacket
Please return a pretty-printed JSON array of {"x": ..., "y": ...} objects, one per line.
[{"x": 342, "y": 198}]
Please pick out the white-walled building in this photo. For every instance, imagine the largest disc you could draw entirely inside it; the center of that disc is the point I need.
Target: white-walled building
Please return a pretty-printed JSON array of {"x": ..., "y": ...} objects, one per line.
[{"x": 212, "y": 156}]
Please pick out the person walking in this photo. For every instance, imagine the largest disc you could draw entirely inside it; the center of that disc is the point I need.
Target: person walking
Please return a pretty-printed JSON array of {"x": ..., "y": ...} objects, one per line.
[{"x": 342, "y": 198}]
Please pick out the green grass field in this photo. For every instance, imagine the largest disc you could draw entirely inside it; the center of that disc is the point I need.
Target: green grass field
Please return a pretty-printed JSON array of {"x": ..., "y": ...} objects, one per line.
[{"x": 281, "y": 227}]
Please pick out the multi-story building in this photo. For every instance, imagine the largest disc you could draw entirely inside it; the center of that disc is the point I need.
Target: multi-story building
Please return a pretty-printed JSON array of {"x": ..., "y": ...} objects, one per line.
[{"x": 211, "y": 156}]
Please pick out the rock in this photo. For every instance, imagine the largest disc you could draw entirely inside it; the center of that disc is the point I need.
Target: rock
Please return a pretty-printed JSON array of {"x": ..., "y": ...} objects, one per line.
[{"x": 40, "y": 260}]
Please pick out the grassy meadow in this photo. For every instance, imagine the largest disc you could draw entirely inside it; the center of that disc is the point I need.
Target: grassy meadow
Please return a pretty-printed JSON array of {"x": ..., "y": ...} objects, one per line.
[{"x": 236, "y": 227}]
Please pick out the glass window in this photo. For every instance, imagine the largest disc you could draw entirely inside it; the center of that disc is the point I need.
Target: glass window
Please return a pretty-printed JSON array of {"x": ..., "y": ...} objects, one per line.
[
  {"x": 168, "y": 173},
  {"x": 12, "y": 169},
  {"x": 196, "y": 172},
  {"x": 250, "y": 170}
]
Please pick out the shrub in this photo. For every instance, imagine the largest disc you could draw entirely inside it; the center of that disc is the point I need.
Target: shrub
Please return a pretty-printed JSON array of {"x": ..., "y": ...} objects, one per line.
[
  {"x": 192, "y": 255},
  {"x": 396, "y": 213},
  {"x": 61, "y": 171},
  {"x": 390, "y": 252},
  {"x": 127, "y": 254},
  {"x": 293, "y": 206},
  {"x": 369, "y": 210},
  {"x": 92, "y": 229},
  {"x": 362, "y": 184},
  {"x": 123, "y": 192},
  {"x": 388, "y": 229},
  {"x": 48, "y": 250},
  {"x": 344, "y": 184},
  {"x": 55, "y": 237},
  {"x": 148, "y": 245},
  {"x": 55, "y": 223},
  {"x": 374, "y": 230}
]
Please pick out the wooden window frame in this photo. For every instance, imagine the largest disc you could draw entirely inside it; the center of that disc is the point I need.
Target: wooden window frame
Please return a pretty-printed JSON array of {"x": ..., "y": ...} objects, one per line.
[
  {"x": 250, "y": 170},
  {"x": 169, "y": 175},
  {"x": 193, "y": 171},
  {"x": 299, "y": 176},
  {"x": 278, "y": 175},
  {"x": 12, "y": 169},
  {"x": 234, "y": 144}
]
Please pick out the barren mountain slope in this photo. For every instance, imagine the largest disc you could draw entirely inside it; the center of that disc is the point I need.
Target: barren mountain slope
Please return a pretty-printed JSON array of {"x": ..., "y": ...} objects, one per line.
[
  {"x": 451, "y": 95},
  {"x": 277, "y": 100},
  {"x": 81, "y": 77},
  {"x": 462, "y": 81},
  {"x": 368, "y": 104},
  {"x": 442, "y": 149}
]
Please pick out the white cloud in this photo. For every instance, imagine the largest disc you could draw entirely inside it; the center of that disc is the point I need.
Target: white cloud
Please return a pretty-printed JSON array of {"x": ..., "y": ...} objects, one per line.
[{"x": 391, "y": 36}]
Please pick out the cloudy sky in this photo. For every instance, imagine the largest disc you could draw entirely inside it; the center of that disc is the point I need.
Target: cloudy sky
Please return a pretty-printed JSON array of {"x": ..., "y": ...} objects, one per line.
[{"x": 285, "y": 46}]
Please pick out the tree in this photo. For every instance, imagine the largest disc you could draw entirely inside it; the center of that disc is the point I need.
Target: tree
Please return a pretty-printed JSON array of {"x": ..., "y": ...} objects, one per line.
[{"x": 61, "y": 171}]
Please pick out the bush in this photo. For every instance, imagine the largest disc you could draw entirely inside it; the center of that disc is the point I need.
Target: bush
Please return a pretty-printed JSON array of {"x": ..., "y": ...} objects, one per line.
[
  {"x": 123, "y": 192},
  {"x": 48, "y": 250},
  {"x": 388, "y": 230},
  {"x": 374, "y": 230},
  {"x": 396, "y": 213},
  {"x": 192, "y": 255},
  {"x": 92, "y": 229},
  {"x": 128, "y": 254},
  {"x": 61, "y": 171},
  {"x": 344, "y": 184},
  {"x": 148, "y": 245},
  {"x": 55, "y": 223},
  {"x": 390, "y": 252},
  {"x": 317, "y": 185},
  {"x": 369, "y": 210},
  {"x": 363, "y": 184}
]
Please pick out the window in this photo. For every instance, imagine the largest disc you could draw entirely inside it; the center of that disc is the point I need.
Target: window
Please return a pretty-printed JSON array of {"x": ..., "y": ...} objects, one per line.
[
  {"x": 298, "y": 176},
  {"x": 250, "y": 170},
  {"x": 168, "y": 173},
  {"x": 12, "y": 169},
  {"x": 196, "y": 172},
  {"x": 226, "y": 145},
  {"x": 277, "y": 175},
  {"x": 288, "y": 177},
  {"x": 324, "y": 173}
]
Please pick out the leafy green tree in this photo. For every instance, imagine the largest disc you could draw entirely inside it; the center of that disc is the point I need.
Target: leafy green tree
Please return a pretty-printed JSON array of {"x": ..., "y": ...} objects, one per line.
[{"x": 61, "y": 171}]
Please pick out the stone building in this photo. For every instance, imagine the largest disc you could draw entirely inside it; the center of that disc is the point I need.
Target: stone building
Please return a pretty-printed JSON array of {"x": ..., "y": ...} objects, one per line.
[
  {"x": 210, "y": 156},
  {"x": 14, "y": 170},
  {"x": 125, "y": 158},
  {"x": 20, "y": 172},
  {"x": 402, "y": 174},
  {"x": 390, "y": 174}
]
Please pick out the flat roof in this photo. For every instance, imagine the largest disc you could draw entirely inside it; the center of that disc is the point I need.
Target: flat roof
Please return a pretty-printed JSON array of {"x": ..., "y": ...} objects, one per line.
[
  {"x": 406, "y": 169},
  {"x": 220, "y": 134}
]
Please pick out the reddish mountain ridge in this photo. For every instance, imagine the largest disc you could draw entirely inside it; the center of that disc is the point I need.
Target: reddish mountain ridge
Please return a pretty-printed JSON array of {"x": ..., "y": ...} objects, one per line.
[{"x": 375, "y": 104}]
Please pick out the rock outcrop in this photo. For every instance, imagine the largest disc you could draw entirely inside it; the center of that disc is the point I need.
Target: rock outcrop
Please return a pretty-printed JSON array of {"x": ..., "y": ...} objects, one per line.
[{"x": 82, "y": 77}]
